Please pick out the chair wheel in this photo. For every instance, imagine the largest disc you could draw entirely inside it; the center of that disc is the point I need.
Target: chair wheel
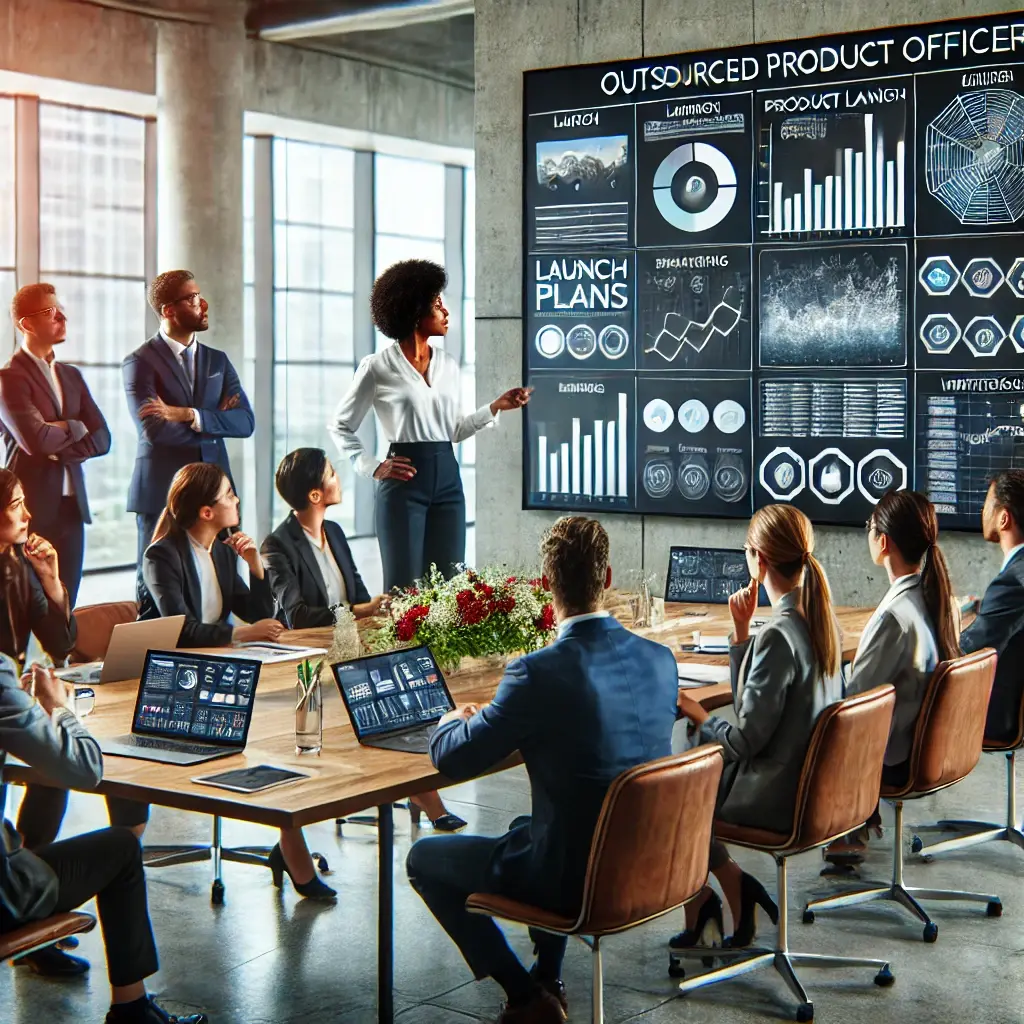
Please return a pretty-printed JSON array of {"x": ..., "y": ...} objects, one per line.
[
  {"x": 931, "y": 932},
  {"x": 676, "y": 969},
  {"x": 338, "y": 822},
  {"x": 805, "y": 1012},
  {"x": 217, "y": 893},
  {"x": 321, "y": 863},
  {"x": 916, "y": 845},
  {"x": 994, "y": 909},
  {"x": 708, "y": 961},
  {"x": 808, "y": 917},
  {"x": 885, "y": 978}
]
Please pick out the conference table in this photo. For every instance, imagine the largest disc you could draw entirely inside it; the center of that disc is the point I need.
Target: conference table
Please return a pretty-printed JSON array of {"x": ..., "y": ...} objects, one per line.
[{"x": 347, "y": 778}]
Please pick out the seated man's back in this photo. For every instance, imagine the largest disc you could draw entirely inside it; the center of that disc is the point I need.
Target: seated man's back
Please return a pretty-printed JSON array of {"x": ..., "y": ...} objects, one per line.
[{"x": 596, "y": 702}]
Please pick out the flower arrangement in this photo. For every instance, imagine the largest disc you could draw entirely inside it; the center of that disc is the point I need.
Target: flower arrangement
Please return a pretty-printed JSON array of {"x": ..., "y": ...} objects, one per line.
[{"x": 476, "y": 613}]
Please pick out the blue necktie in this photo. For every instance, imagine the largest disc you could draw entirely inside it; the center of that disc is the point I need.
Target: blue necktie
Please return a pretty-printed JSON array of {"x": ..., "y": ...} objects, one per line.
[{"x": 188, "y": 362}]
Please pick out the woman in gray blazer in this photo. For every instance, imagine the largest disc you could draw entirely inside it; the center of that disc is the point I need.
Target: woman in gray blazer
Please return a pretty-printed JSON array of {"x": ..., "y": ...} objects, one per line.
[
  {"x": 782, "y": 679},
  {"x": 910, "y": 632}
]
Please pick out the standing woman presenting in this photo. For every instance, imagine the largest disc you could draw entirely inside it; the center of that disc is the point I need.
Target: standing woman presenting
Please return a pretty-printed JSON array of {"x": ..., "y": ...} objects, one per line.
[{"x": 415, "y": 390}]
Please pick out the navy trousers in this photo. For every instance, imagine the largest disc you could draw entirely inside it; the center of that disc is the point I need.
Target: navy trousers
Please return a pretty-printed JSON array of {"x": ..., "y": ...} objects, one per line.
[
  {"x": 66, "y": 532},
  {"x": 421, "y": 521}
]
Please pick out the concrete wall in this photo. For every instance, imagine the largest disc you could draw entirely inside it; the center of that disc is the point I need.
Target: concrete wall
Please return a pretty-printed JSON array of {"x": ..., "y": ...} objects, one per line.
[
  {"x": 514, "y": 35},
  {"x": 80, "y": 42}
]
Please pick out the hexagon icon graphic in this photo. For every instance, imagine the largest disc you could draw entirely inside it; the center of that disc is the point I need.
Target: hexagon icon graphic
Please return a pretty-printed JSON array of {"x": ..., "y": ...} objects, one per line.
[
  {"x": 1017, "y": 333},
  {"x": 983, "y": 336},
  {"x": 880, "y": 471},
  {"x": 939, "y": 275},
  {"x": 783, "y": 474},
  {"x": 1015, "y": 277},
  {"x": 834, "y": 483},
  {"x": 939, "y": 333},
  {"x": 982, "y": 277}
]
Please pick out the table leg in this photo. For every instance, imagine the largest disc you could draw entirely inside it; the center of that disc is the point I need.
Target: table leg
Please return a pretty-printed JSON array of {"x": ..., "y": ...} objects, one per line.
[{"x": 385, "y": 915}]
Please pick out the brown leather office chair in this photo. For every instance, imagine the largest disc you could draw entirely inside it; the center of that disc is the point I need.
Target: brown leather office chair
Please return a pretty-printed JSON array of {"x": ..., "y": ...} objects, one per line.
[
  {"x": 838, "y": 791},
  {"x": 36, "y": 935},
  {"x": 979, "y": 832},
  {"x": 95, "y": 624},
  {"x": 947, "y": 745},
  {"x": 649, "y": 855}
]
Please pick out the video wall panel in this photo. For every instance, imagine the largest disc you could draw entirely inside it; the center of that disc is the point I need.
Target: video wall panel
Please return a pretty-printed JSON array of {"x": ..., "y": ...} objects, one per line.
[{"x": 787, "y": 272}]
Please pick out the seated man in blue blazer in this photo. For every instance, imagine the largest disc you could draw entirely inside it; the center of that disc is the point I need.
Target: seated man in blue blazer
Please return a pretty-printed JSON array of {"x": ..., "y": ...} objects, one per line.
[
  {"x": 597, "y": 701},
  {"x": 308, "y": 559},
  {"x": 185, "y": 399},
  {"x": 1000, "y": 621}
]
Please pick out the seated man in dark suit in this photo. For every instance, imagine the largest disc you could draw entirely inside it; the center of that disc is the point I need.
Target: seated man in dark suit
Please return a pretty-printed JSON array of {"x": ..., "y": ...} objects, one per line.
[
  {"x": 38, "y": 725},
  {"x": 1000, "y": 620},
  {"x": 597, "y": 701}
]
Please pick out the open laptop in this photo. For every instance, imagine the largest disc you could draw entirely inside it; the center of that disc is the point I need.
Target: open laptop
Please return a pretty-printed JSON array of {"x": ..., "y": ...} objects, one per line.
[
  {"x": 126, "y": 652},
  {"x": 394, "y": 700},
  {"x": 191, "y": 708}
]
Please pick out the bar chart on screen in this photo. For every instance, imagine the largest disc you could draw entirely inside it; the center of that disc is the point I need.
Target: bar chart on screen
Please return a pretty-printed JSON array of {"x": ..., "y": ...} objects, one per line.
[
  {"x": 833, "y": 162},
  {"x": 582, "y": 438}
]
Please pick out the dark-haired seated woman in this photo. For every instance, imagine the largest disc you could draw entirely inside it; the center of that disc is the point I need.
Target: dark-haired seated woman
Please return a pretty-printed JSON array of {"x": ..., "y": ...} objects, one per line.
[
  {"x": 782, "y": 679},
  {"x": 191, "y": 569},
  {"x": 312, "y": 571},
  {"x": 913, "y": 628}
]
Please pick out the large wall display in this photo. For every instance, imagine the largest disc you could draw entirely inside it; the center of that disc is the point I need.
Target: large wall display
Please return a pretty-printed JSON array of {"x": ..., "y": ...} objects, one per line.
[{"x": 786, "y": 272}]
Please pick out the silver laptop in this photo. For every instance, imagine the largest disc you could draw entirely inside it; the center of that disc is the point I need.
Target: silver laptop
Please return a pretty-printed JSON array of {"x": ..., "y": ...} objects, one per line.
[
  {"x": 394, "y": 700},
  {"x": 191, "y": 708},
  {"x": 126, "y": 652}
]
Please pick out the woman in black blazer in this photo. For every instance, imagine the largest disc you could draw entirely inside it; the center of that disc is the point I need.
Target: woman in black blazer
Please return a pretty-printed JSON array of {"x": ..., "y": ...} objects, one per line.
[
  {"x": 312, "y": 571},
  {"x": 191, "y": 569}
]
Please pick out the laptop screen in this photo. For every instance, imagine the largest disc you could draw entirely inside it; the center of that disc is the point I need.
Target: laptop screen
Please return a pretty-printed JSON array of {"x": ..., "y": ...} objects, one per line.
[
  {"x": 196, "y": 696},
  {"x": 387, "y": 693}
]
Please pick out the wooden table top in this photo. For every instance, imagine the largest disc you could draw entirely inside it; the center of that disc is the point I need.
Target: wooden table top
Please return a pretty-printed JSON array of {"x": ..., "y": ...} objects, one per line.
[{"x": 346, "y": 777}]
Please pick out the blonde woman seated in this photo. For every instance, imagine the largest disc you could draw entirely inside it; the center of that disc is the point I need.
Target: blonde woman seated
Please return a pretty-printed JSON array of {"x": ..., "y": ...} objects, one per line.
[
  {"x": 911, "y": 631},
  {"x": 782, "y": 679},
  {"x": 191, "y": 569}
]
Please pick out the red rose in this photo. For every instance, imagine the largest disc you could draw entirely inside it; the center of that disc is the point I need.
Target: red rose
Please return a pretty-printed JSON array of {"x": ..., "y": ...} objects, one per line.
[
  {"x": 407, "y": 625},
  {"x": 546, "y": 621}
]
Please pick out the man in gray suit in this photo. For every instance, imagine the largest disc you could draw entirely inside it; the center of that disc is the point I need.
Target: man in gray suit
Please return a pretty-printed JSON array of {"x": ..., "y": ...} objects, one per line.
[
  {"x": 1000, "y": 621},
  {"x": 38, "y": 725}
]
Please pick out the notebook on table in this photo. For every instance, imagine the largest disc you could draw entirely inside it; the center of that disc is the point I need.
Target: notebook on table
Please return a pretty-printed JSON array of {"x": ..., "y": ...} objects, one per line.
[
  {"x": 394, "y": 700},
  {"x": 190, "y": 708},
  {"x": 126, "y": 652}
]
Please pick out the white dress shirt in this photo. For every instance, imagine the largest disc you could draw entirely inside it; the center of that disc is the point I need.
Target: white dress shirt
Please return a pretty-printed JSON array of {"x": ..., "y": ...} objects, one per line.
[
  {"x": 212, "y": 600},
  {"x": 409, "y": 408},
  {"x": 334, "y": 582},
  {"x": 49, "y": 371},
  {"x": 178, "y": 351},
  {"x": 566, "y": 623},
  {"x": 1009, "y": 555}
]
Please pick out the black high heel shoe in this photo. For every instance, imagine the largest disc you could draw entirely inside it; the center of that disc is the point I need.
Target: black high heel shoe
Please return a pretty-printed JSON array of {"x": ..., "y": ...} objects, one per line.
[
  {"x": 752, "y": 896},
  {"x": 707, "y": 930},
  {"x": 314, "y": 889}
]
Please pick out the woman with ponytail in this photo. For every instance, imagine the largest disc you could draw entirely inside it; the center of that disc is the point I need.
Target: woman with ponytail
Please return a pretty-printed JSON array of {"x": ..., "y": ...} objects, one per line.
[
  {"x": 782, "y": 679},
  {"x": 915, "y": 626}
]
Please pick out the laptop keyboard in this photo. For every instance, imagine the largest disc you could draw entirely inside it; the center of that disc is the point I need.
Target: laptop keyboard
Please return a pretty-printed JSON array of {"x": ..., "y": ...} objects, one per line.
[{"x": 148, "y": 743}]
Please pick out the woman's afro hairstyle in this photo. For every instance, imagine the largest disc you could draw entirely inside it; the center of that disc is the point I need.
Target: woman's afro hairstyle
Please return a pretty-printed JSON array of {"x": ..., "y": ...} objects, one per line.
[{"x": 403, "y": 295}]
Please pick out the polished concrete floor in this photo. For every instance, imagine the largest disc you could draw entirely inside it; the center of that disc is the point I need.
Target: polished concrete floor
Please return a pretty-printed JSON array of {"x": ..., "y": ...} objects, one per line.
[{"x": 270, "y": 958}]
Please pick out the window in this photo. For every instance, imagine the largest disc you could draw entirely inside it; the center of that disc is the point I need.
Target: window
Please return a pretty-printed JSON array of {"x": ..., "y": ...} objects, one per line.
[
  {"x": 7, "y": 222},
  {"x": 91, "y": 247},
  {"x": 467, "y": 450},
  {"x": 314, "y": 198},
  {"x": 248, "y": 495}
]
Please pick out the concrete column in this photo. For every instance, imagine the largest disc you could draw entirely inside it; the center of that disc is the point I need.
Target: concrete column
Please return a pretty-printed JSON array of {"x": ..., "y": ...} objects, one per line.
[{"x": 200, "y": 87}]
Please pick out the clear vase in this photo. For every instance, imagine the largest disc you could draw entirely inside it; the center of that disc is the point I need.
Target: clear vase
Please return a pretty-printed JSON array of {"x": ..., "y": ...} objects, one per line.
[{"x": 309, "y": 716}]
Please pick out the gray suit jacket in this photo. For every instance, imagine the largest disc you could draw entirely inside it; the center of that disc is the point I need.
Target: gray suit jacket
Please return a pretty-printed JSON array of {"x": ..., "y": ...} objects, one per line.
[
  {"x": 777, "y": 695},
  {"x": 66, "y": 754},
  {"x": 898, "y": 647}
]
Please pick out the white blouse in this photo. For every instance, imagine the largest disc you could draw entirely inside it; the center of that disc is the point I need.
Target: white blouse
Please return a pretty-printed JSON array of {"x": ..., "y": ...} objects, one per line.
[
  {"x": 209, "y": 585},
  {"x": 334, "y": 581},
  {"x": 408, "y": 408}
]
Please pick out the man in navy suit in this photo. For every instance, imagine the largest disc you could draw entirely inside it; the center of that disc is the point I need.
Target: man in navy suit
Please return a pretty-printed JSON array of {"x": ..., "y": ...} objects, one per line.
[
  {"x": 597, "y": 701},
  {"x": 185, "y": 398},
  {"x": 50, "y": 426},
  {"x": 1000, "y": 621}
]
